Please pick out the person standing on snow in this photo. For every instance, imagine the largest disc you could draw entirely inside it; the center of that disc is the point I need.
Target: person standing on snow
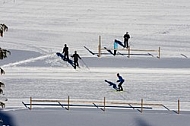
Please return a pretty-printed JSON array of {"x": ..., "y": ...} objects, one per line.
[
  {"x": 126, "y": 40},
  {"x": 66, "y": 52},
  {"x": 115, "y": 46},
  {"x": 120, "y": 80},
  {"x": 76, "y": 57}
]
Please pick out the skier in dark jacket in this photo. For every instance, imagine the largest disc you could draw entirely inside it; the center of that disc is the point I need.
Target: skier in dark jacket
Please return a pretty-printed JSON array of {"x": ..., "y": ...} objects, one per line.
[
  {"x": 120, "y": 80},
  {"x": 66, "y": 52},
  {"x": 76, "y": 57},
  {"x": 126, "y": 40}
]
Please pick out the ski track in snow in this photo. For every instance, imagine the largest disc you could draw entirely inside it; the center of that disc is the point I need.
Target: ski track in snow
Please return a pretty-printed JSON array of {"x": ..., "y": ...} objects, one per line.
[{"x": 26, "y": 61}]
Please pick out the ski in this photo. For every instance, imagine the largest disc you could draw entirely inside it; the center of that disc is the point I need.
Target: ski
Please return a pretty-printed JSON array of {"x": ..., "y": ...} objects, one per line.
[{"x": 116, "y": 91}]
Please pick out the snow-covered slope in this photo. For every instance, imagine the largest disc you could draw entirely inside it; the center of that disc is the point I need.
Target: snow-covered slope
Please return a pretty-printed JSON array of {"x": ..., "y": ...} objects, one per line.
[{"x": 38, "y": 29}]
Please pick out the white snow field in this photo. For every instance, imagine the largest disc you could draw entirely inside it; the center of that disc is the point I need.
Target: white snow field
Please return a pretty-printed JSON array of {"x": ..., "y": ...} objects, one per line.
[{"x": 39, "y": 28}]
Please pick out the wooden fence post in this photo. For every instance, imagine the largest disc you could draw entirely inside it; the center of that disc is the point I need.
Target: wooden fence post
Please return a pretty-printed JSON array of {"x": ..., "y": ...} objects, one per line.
[
  {"x": 178, "y": 111},
  {"x": 99, "y": 47},
  {"x": 129, "y": 51},
  {"x": 159, "y": 52},
  {"x": 104, "y": 103},
  {"x": 141, "y": 105},
  {"x": 30, "y": 103},
  {"x": 68, "y": 102}
]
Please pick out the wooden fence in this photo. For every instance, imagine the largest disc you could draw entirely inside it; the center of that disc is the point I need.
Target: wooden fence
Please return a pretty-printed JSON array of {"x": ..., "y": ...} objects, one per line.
[{"x": 100, "y": 104}]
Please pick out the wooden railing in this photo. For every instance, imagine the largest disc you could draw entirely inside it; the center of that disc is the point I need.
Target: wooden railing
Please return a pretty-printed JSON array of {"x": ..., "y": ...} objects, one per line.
[{"x": 100, "y": 104}]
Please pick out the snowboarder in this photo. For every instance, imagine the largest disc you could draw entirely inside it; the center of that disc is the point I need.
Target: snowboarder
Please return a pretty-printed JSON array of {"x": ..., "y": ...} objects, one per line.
[
  {"x": 120, "y": 80},
  {"x": 126, "y": 39},
  {"x": 76, "y": 57},
  {"x": 66, "y": 52}
]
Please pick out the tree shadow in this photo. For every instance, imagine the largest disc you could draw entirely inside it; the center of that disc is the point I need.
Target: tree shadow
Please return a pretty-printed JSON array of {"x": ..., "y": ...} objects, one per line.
[
  {"x": 6, "y": 120},
  {"x": 112, "y": 84},
  {"x": 141, "y": 122}
]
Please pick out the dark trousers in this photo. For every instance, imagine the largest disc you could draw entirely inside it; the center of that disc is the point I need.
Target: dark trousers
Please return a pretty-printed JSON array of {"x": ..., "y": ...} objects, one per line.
[
  {"x": 115, "y": 51},
  {"x": 126, "y": 44},
  {"x": 66, "y": 56},
  {"x": 76, "y": 64},
  {"x": 120, "y": 88}
]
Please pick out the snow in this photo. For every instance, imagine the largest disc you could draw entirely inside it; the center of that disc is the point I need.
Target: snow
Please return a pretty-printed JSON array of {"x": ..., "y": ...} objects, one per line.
[
  {"x": 38, "y": 29},
  {"x": 94, "y": 117}
]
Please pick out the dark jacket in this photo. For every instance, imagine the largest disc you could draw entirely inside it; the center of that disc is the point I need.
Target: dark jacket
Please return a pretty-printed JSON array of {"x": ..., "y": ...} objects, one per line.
[
  {"x": 120, "y": 79},
  {"x": 126, "y": 36},
  {"x": 76, "y": 56},
  {"x": 66, "y": 50}
]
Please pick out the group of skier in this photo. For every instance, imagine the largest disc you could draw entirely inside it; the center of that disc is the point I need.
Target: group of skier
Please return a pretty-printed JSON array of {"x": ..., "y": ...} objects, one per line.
[{"x": 75, "y": 56}]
